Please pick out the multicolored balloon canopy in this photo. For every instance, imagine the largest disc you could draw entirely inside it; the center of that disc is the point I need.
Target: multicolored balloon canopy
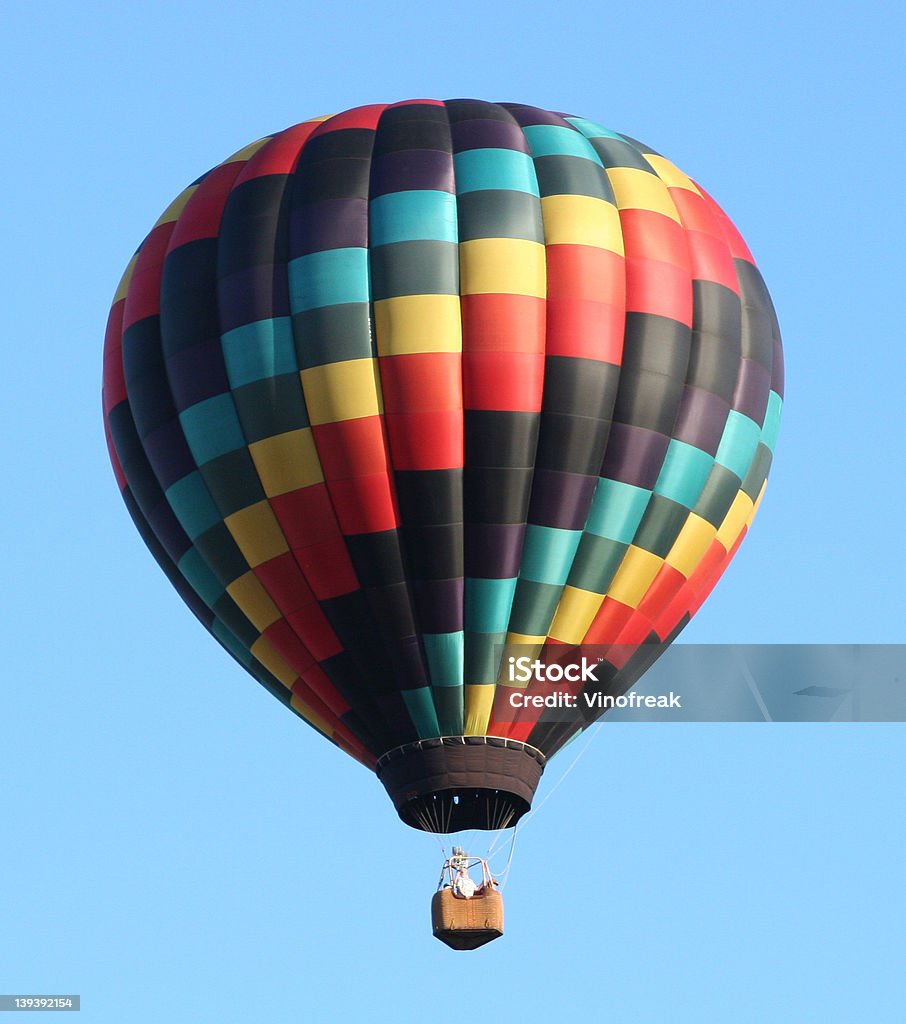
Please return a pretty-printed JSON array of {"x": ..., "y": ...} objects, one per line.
[{"x": 392, "y": 393}]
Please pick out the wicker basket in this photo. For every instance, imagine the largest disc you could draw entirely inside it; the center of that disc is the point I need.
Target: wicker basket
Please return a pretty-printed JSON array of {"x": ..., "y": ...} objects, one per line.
[{"x": 467, "y": 923}]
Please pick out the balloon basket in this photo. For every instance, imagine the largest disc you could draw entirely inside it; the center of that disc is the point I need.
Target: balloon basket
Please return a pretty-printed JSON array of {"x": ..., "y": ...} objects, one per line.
[{"x": 467, "y": 923}]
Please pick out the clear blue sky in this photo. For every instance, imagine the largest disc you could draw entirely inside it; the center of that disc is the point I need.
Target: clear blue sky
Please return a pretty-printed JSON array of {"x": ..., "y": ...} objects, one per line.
[{"x": 176, "y": 860}]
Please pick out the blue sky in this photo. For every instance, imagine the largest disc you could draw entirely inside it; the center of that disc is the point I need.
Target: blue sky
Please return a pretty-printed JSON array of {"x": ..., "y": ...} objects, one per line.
[{"x": 171, "y": 858}]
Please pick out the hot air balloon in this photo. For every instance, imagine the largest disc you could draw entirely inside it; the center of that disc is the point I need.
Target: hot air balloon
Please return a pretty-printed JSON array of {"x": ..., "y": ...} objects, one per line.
[{"x": 395, "y": 393}]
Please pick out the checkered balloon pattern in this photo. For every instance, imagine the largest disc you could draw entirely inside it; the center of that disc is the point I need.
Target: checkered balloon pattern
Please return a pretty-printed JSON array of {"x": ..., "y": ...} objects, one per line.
[{"x": 392, "y": 391}]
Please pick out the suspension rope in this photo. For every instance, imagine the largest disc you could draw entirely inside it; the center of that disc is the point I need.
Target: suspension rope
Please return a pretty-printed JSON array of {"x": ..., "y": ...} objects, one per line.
[
  {"x": 436, "y": 838},
  {"x": 505, "y": 874},
  {"x": 591, "y": 734}
]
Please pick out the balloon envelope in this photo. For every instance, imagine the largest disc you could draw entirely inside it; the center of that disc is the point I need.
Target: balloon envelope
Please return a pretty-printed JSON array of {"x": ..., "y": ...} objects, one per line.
[{"x": 397, "y": 395}]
